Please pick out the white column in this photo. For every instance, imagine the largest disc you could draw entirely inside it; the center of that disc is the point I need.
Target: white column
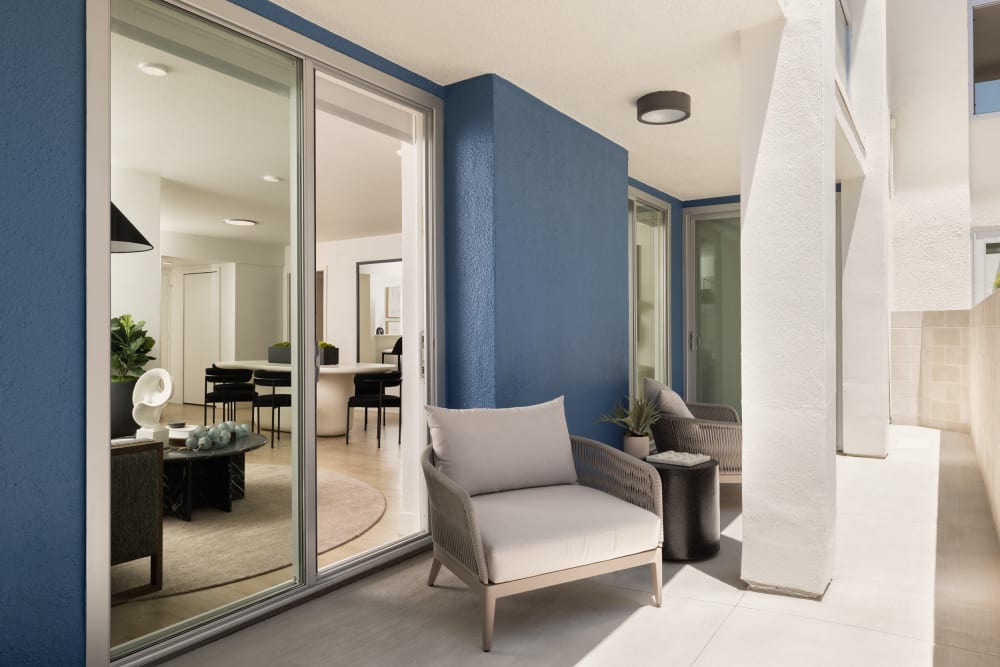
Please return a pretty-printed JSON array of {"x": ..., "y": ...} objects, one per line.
[
  {"x": 864, "y": 242},
  {"x": 789, "y": 301}
]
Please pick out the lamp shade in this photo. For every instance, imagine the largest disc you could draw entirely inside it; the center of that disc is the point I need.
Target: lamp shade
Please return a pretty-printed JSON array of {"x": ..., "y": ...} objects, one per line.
[
  {"x": 663, "y": 107},
  {"x": 124, "y": 236}
]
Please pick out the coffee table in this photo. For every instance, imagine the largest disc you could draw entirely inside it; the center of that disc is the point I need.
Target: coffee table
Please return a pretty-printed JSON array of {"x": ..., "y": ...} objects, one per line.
[
  {"x": 207, "y": 478},
  {"x": 690, "y": 510}
]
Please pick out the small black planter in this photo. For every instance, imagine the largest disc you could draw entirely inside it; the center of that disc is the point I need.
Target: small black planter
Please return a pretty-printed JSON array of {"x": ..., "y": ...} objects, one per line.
[
  {"x": 329, "y": 356},
  {"x": 279, "y": 355},
  {"x": 122, "y": 424}
]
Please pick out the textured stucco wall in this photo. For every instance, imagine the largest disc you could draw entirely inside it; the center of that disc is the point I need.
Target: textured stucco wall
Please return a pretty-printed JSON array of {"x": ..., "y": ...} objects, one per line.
[
  {"x": 984, "y": 388},
  {"x": 536, "y": 256},
  {"x": 788, "y": 301},
  {"x": 42, "y": 523},
  {"x": 985, "y": 171},
  {"x": 931, "y": 209}
]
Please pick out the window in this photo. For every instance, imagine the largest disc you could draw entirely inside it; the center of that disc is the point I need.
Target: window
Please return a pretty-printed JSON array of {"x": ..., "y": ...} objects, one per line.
[
  {"x": 650, "y": 337},
  {"x": 986, "y": 58},
  {"x": 843, "y": 43}
]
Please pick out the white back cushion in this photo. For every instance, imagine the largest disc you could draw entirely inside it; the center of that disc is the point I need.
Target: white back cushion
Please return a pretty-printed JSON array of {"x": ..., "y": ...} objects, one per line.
[{"x": 489, "y": 450}]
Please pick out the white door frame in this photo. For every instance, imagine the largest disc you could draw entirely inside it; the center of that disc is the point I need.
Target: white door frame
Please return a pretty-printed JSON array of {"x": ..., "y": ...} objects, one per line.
[
  {"x": 427, "y": 353},
  {"x": 691, "y": 217}
]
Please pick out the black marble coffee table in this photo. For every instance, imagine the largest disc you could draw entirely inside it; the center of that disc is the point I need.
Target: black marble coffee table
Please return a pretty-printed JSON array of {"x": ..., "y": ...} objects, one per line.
[{"x": 207, "y": 478}]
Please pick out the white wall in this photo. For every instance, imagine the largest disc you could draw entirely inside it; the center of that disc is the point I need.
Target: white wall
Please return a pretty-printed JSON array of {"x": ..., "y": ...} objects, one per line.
[
  {"x": 984, "y": 387},
  {"x": 339, "y": 259},
  {"x": 135, "y": 276},
  {"x": 985, "y": 171},
  {"x": 931, "y": 210},
  {"x": 258, "y": 310}
]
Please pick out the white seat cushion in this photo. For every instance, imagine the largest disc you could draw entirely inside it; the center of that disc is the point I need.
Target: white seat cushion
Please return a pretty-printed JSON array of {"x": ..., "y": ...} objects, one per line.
[
  {"x": 485, "y": 450},
  {"x": 545, "y": 529}
]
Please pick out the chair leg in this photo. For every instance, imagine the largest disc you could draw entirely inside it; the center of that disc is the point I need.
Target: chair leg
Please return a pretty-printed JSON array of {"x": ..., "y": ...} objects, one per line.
[
  {"x": 489, "y": 612},
  {"x": 378, "y": 427},
  {"x": 656, "y": 569},
  {"x": 435, "y": 568},
  {"x": 347, "y": 431}
]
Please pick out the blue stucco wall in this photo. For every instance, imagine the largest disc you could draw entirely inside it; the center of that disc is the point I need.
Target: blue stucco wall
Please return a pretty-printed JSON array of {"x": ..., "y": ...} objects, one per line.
[
  {"x": 470, "y": 252},
  {"x": 559, "y": 255},
  {"x": 42, "y": 133}
]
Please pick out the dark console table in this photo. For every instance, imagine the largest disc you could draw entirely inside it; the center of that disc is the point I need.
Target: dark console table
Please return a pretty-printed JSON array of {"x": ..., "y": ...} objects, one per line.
[
  {"x": 209, "y": 478},
  {"x": 690, "y": 510}
]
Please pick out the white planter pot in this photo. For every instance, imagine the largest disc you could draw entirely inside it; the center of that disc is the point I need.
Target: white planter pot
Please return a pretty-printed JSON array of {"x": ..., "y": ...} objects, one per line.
[{"x": 637, "y": 446}]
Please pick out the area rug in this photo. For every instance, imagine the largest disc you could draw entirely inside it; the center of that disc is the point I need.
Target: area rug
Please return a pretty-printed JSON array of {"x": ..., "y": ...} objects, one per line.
[{"x": 217, "y": 547}]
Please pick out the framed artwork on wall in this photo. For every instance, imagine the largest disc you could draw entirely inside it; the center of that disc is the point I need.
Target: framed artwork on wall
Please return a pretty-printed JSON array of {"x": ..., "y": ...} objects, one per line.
[{"x": 392, "y": 305}]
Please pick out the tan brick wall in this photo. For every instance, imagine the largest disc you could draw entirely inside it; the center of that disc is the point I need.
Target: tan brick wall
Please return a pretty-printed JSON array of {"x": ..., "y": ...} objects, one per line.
[{"x": 929, "y": 369}]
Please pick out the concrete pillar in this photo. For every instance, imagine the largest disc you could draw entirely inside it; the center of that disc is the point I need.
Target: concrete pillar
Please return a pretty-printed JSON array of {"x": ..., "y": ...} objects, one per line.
[
  {"x": 864, "y": 244},
  {"x": 789, "y": 305}
]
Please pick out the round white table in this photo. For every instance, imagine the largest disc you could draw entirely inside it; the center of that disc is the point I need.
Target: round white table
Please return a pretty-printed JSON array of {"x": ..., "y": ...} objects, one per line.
[{"x": 334, "y": 386}]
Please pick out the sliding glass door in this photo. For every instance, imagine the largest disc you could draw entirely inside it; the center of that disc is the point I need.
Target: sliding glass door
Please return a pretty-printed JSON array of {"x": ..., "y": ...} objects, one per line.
[
  {"x": 648, "y": 219},
  {"x": 713, "y": 259},
  {"x": 264, "y": 174}
]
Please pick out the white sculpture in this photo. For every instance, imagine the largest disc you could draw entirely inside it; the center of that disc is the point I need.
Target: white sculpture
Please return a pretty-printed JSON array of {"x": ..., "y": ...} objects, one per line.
[{"x": 150, "y": 396}]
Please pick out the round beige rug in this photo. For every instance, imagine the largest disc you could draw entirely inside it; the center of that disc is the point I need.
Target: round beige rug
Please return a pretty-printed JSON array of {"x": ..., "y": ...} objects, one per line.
[{"x": 217, "y": 547}]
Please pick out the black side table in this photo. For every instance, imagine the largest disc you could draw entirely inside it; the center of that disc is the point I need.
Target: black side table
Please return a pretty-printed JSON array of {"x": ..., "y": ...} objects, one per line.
[{"x": 690, "y": 510}]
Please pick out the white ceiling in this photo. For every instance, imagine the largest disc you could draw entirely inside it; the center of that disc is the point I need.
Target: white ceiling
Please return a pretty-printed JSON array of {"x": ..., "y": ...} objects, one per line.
[
  {"x": 211, "y": 137},
  {"x": 591, "y": 59}
]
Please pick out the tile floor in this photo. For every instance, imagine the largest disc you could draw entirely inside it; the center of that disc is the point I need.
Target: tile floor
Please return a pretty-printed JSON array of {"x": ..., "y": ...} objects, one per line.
[{"x": 917, "y": 583}]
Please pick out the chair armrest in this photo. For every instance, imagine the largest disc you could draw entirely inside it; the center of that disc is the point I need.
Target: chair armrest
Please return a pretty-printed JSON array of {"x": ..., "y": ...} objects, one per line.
[
  {"x": 723, "y": 441},
  {"x": 625, "y": 477},
  {"x": 453, "y": 519},
  {"x": 714, "y": 412}
]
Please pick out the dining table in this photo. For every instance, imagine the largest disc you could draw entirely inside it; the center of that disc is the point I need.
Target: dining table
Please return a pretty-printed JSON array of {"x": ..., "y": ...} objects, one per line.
[{"x": 334, "y": 385}]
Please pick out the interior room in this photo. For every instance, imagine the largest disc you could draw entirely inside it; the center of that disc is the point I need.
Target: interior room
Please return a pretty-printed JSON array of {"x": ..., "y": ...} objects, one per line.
[
  {"x": 699, "y": 300},
  {"x": 214, "y": 196}
]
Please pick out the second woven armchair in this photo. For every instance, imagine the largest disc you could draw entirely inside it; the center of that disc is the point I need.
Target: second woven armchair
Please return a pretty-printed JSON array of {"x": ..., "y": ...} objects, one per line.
[{"x": 700, "y": 428}]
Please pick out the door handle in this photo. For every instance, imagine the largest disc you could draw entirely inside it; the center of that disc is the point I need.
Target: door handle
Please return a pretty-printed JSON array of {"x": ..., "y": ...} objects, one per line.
[{"x": 694, "y": 341}]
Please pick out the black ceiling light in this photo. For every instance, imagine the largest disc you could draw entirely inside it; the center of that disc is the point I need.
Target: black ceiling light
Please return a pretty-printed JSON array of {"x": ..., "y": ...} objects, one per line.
[
  {"x": 124, "y": 236},
  {"x": 663, "y": 107}
]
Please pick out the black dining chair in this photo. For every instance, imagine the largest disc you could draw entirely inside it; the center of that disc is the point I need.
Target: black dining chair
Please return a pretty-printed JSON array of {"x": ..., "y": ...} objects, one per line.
[
  {"x": 229, "y": 386},
  {"x": 370, "y": 392},
  {"x": 273, "y": 400},
  {"x": 397, "y": 351}
]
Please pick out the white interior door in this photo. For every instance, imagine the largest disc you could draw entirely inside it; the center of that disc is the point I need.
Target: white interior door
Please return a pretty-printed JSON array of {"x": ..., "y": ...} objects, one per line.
[{"x": 201, "y": 331}]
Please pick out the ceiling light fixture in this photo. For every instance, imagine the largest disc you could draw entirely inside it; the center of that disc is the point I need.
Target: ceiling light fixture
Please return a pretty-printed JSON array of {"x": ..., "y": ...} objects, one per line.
[
  {"x": 240, "y": 222},
  {"x": 272, "y": 179},
  {"x": 663, "y": 107},
  {"x": 152, "y": 69}
]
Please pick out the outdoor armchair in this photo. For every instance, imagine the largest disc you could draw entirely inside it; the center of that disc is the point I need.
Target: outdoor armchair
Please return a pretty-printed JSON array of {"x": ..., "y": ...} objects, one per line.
[{"x": 517, "y": 504}]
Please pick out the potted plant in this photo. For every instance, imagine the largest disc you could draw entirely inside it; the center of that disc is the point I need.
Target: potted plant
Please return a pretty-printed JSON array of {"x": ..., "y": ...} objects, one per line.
[
  {"x": 636, "y": 421},
  {"x": 130, "y": 346},
  {"x": 328, "y": 354},
  {"x": 280, "y": 353}
]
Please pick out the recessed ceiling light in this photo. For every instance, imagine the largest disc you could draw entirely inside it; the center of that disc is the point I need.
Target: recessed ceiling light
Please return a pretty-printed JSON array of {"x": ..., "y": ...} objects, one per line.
[
  {"x": 152, "y": 69},
  {"x": 240, "y": 222},
  {"x": 272, "y": 179}
]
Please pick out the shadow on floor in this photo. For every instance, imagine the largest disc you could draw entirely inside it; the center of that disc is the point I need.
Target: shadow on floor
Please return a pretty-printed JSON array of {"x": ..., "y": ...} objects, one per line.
[{"x": 967, "y": 565}]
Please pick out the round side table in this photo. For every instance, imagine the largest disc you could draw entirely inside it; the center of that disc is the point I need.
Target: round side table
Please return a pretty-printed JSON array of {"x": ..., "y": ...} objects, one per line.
[{"x": 690, "y": 510}]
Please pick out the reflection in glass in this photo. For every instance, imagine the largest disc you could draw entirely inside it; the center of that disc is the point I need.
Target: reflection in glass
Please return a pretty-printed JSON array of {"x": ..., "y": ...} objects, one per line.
[
  {"x": 650, "y": 302},
  {"x": 717, "y": 311},
  {"x": 199, "y": 115}
]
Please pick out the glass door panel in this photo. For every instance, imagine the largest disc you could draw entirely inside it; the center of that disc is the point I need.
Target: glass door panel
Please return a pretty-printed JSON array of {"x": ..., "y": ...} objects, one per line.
[
  {"x": 649, "y": 300},
  {"x": 370, "y": 211},
  {"x": 204, "y": 131},
  {"x": 715, "y": 338}
]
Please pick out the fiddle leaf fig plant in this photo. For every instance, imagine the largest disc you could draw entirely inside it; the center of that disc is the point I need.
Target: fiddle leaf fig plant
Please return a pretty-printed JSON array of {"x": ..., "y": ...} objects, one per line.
[
  {"x": 130, "y": 346},
  {"x": 637, "y": 419}
]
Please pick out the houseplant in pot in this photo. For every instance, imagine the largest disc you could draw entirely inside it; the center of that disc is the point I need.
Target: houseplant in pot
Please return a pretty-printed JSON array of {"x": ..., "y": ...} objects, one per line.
[
  {"x": 328, "y": 353},
  {"x": 636, "y": 421},
  {"x": 130, "y": 346}
]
